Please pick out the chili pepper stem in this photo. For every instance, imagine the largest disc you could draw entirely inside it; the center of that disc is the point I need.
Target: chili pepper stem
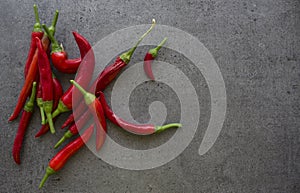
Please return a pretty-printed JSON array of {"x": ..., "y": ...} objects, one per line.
[
  {"x": 159, "y": 129},
  {"x": 47, "y": 105},
  {"x": 39, "y": 102},
  {"x": 37, "y": 26},
  {"x": 61, "y": 108},
  {"x": 53, "y": 25},
  {"x": 49, "y": 172},
  {"x": 54, "y": 43},
  {"x": 127, "y": 55},
  {"x": 29, "y": 105},
  {"x": 155, "y": 50},
  {"x": 67, "y": 135},
  {"x": 88, "y": 97}
]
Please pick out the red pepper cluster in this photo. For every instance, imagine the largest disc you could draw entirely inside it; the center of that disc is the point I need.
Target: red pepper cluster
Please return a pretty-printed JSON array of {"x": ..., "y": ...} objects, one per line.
[{"x": 42, "y": 86}]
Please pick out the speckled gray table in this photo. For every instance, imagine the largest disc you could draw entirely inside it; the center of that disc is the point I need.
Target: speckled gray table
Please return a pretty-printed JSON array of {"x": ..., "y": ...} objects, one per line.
[{"x": 256, "y": 45}]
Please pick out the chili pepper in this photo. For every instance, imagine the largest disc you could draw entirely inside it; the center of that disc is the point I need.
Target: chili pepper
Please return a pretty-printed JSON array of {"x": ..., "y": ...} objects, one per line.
[
  {"x": 111, "y": 71},
  {"x": 57, "y": 91},
  {"x": 32, "y": 72},
  {"x": 74, "y": 128},
  {"x": 149, "y": 57},
  {"x": 47, "y": 83},
  {"x": 69, "y": 121},
  {"x": 60, "y": 57},
  {"x": 139, "y": 129},
  {"x": 60, "y": 159},
  {"x": 83, "y": 76},
  {"x": 96, "y": 110},
  {"x": 36, "y": 32},
  {"x": 24, "y": 122},
  {"x": 39, "y": 102}
]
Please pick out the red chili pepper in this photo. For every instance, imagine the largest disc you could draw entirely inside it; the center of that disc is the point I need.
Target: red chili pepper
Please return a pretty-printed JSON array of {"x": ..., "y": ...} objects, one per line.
[
  {"x": 83, "y": 77},
  {"x": 32, "y": 73},
  {"x": 57, "y": 91},
  {"x": 111, "y": 71},
  {"x": 139, "y": 129},
  {"x": 24, "y": 122},
  {"x": 96, "y": 110},
  {"x": 47, "y": 83},
  {"x": 149, "y": 57},
  {"x": 37, "y": 32},
  {"x": 69, "y": 121},
  {"x": 60, "y": 159}
]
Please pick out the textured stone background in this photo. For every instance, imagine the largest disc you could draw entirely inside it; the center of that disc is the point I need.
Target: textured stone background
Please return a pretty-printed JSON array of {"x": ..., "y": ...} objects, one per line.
[{"x": 256, "y": 45}]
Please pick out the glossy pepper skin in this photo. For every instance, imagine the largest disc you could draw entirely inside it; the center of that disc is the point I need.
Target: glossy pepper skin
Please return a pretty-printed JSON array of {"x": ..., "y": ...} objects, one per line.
[
  {"x": 60, "y": 159},
  {"x": 84, "y": 75},
  {"x": 37, "y": 32},
  {"x": 110, "y": 72},
  {"x": 47, "y": 83},
  {"x": 57, "y": 91},
  {"x": 32, "y": 72},
  {"x": 149, "y": 57},
  {"x": 138, "y": 129},
  {"x": 96, "y": 110},
  {"x": 24, "y": 122}
]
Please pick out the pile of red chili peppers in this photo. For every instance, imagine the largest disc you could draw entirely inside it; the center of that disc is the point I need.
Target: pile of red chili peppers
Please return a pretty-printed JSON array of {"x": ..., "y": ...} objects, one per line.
[{"x": 44, "y": 88}]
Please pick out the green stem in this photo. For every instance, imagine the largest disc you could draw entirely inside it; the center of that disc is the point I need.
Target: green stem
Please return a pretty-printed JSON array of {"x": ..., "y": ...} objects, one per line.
[
  {"x": 37, "y": 26},
  {"x": 53, "y": 25},
  {"x": 164, "y": 127},
  {"x": 88, "y": 97},
  {"x": 39, "y": 102},
  {"x": 127, "y": 55},
  {"x": 67, "y": 135},
  {"x": 61, "y": 108},
  {"x": 47, "y": 105},
  {"x": 155, "y": 50},
  {"x": 54, "y": 43},
  {"x": 49, "y": 172},
  {"x": 30, "y": 104}
]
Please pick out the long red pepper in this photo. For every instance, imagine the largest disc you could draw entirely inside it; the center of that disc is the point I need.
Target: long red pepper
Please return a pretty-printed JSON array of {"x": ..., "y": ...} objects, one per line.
[
  {"x": 32, "y": 72},
  {"x": 57, "y": 91},
  {"x": 60, "y": 159},
  {"x": 47, "y": 83},
  {"x": 96, "y": 110},
  {"x": 111, "y": 71},
  {"x": 149, "y": 57},
  {"x": 37, "y": 32},
  {"x": 69, "y": 121},
  {"x": 139, "y": 129},
  {"x": 24, "y": 122},
  {"x": 83, "y": 77}
]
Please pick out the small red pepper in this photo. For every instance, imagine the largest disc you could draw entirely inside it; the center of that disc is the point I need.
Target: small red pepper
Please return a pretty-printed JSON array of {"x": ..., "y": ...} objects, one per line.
[
  {"x": 46, "y": 82},
  {"x": 24, "y": 122},
  {"x": 149, "y": 57},
  {"x": 96, "y": 110},
  {"x": 69, "y": 121},
  {"x": 57, "y": 91},
  {"x": 60, "y": 159},
  {"x": 37, "y": 32},
  {"x": 139, "y": 129},
  {"x": 32, "y": 72}
]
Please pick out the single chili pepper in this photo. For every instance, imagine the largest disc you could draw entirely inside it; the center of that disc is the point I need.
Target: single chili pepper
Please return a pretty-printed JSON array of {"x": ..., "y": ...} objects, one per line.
[
  {"x": 111, "y": 71},
  {"x": 57, "y": 91},
  {"x": 96, "y": 110},
  {"x": 60, "y": 57},
  {"x": 24, "y": 122},
  {"x": 69, "y": 121},
  {"x": 83, "y": 76},
  {"x": 47, "y": 83},
  {"x": 32, "y": 72},
  {"x": 74, "y": 128},
  {"x": 39, "y": 102},
  {"x": 149, "y": 57},
  {"x": 36, "y": 32},
  {"x": 139, "y": 129},
  {"x": 60, "y": 159}
]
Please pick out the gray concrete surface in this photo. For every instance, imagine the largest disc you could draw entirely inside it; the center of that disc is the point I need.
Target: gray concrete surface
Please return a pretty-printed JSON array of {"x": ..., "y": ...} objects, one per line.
[{"x": 256, "y": 45}]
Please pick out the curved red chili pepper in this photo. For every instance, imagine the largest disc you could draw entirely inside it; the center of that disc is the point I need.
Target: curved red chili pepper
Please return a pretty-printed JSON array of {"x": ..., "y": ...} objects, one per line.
[
  {"x": 96, "y": 110},
  {"x": 24, "y": 122},
  {"x": 69, "y": 121},
  {"x": 32, "y": 72},
  {"x": 47, "y": 83},
  {"x": 139, "y": 129},
  {"x": 60, "y": 159},
  {"x": 57, "y": 91},
  {"x": 83, "y": 77},
  {"x": 149, "y": 57}
]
